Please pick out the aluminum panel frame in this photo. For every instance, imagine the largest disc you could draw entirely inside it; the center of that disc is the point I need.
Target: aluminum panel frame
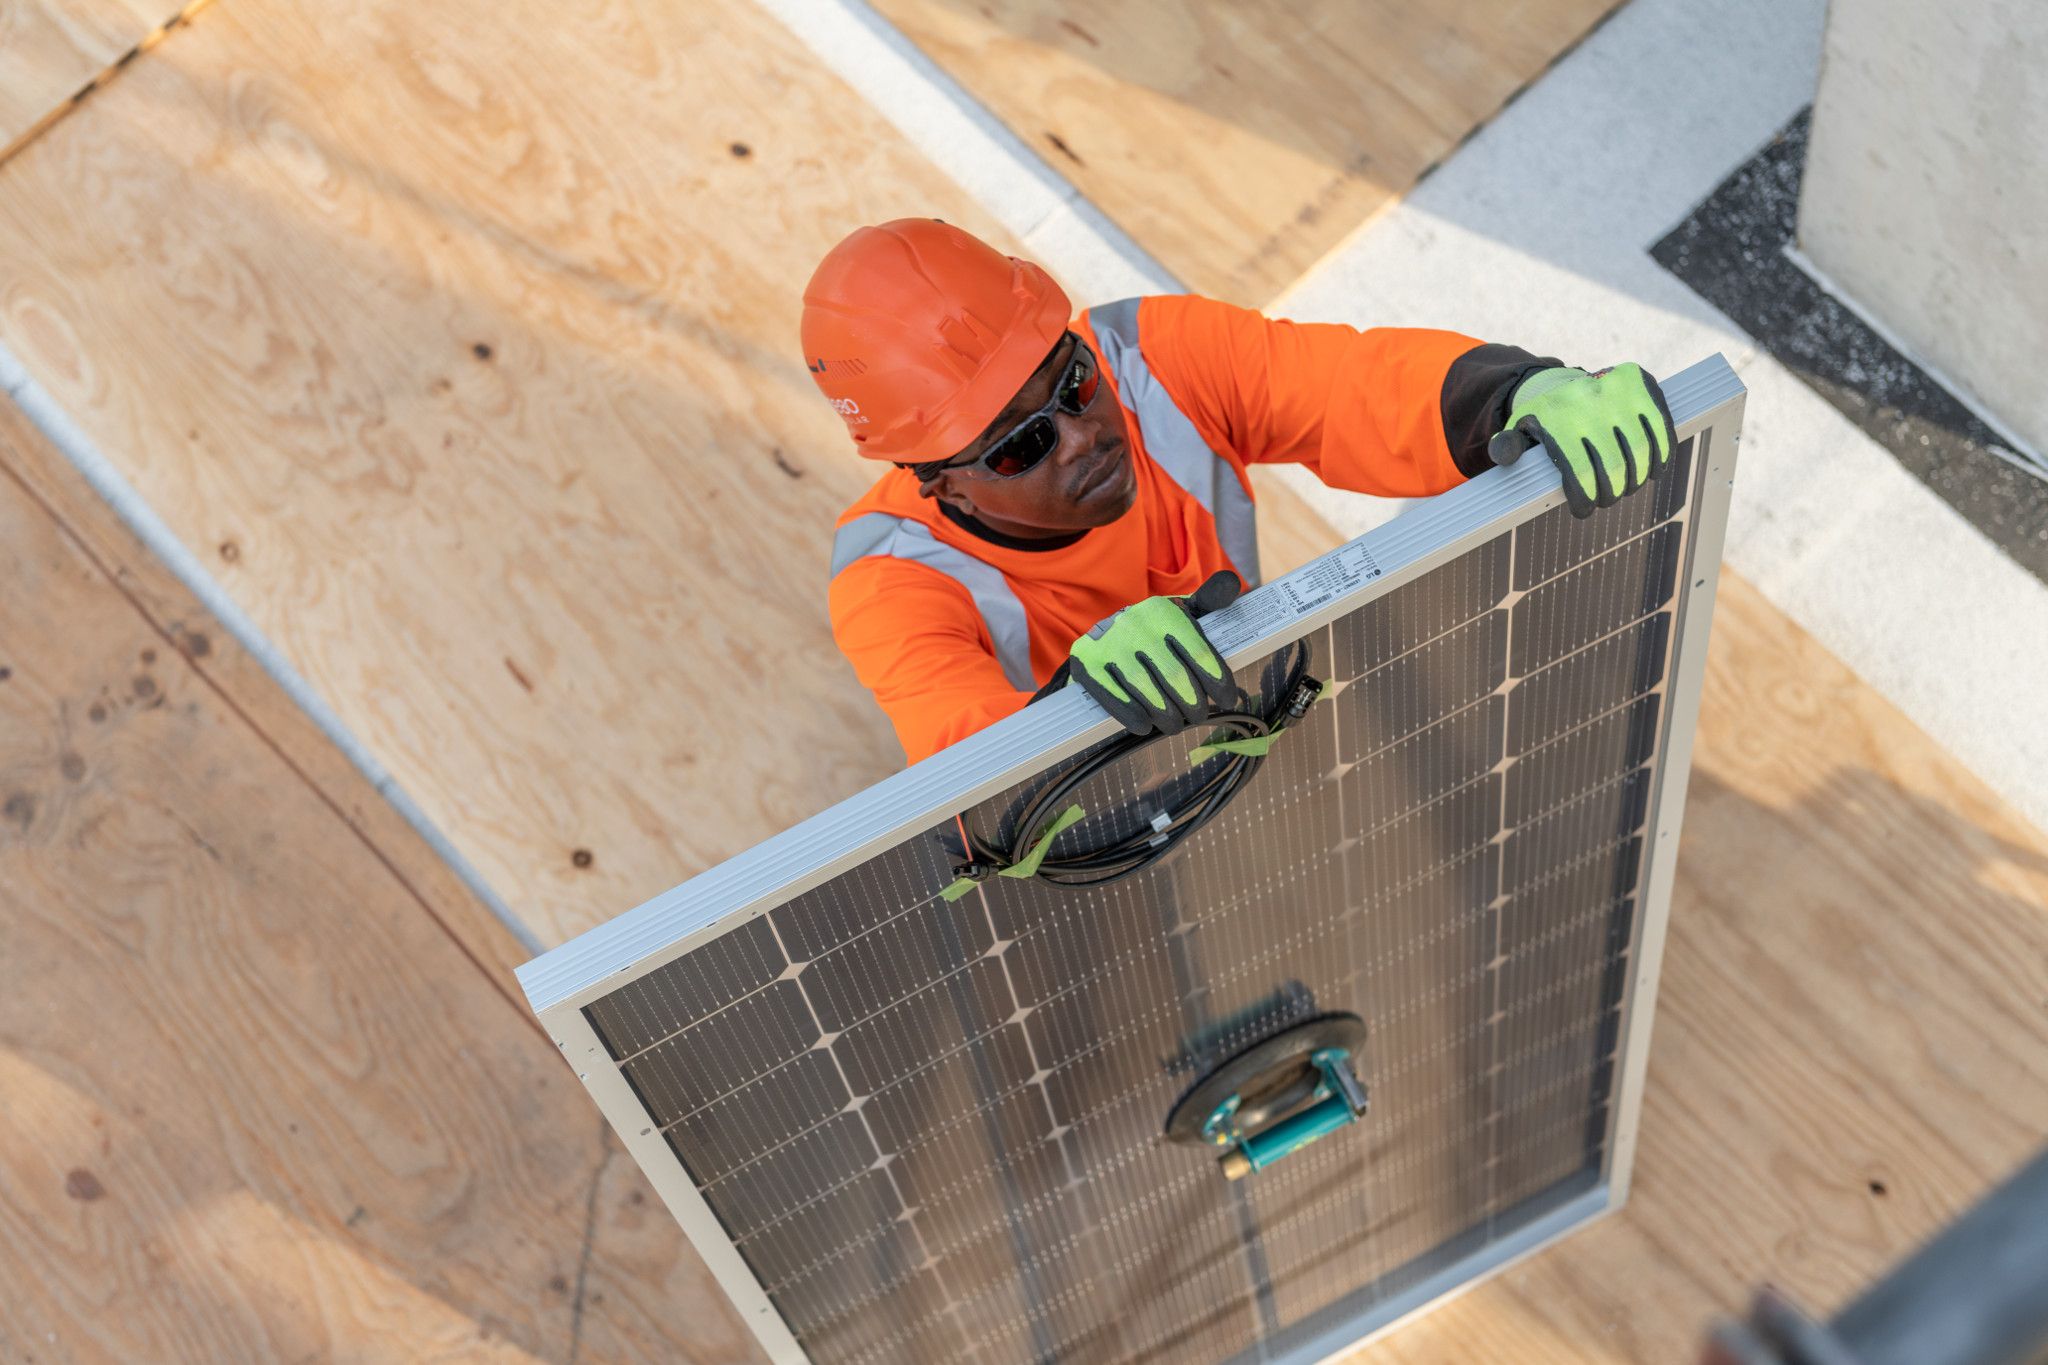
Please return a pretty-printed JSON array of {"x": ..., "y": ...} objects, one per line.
[
  {"x": 1718, "y": 433},
  {"x": 1706, "y": 402}
]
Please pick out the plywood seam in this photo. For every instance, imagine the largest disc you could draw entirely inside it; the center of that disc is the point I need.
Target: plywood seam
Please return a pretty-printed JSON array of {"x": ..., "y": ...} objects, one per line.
[
  {"x": 1267, "y": 259},
  {"x": 1279, "y": 298},
  {"x": 398, "y": 874},
  {"x": 963, "y": 136},
  {"x": 85, "y": 92}
]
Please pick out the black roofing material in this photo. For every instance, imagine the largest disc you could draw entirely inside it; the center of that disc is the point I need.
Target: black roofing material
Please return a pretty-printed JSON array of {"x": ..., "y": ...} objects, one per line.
[{"x": 1731, "y": 252}]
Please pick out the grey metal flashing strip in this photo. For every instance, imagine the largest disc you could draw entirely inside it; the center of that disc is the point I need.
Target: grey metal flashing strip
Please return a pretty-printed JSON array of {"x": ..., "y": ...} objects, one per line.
[
  {"x": 663, "y": 928},
  {"x": 1171, "y": 439},
  {"x": 1009, "y": 630},
  {"x": 72, "y": 442}
]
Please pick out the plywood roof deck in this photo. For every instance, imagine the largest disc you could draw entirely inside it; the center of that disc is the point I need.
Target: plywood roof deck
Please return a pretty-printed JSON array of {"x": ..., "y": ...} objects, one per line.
[
  {"x": 430, "y": 329},
  {"x": 270, "y": 1094},
  {"x": 1239, "y": 143}
]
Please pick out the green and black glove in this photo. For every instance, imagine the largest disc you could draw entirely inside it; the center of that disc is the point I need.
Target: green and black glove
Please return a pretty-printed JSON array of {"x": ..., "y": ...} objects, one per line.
[
  {"x": 1151, "y": 667},
  {"x": 1609, "y": 432}
]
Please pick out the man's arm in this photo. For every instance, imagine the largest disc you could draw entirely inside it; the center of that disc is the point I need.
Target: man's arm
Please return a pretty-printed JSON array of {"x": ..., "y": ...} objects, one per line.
[
  {"x": 1394, "y": 411},
  {"x": 916, "y": 641}
]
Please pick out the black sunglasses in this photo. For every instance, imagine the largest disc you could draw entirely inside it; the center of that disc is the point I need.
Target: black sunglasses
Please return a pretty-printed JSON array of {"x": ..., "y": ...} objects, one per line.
[{"x": 1024, "y": 447}]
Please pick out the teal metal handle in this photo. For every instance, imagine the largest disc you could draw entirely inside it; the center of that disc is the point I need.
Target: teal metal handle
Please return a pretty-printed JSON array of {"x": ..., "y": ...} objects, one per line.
[
  {"x": 1295, "y": 1132},
  {"x": 1339, "y": 1100}
]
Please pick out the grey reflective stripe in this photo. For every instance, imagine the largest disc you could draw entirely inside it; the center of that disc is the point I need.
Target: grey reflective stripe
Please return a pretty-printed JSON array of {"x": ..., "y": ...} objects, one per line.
[
  {"x": 1171, "y": 439},
  {"x": 861, "y": 537},
  {"x": 878, "y": 533}
]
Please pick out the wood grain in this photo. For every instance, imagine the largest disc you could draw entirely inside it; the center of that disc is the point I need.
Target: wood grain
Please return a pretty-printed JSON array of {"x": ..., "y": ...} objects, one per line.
[
  {"x": 262, "y": 1101},
  {"x": 54, "y": 53},
  {"x": 497, "y": 427},
  {"x": 434, "y": 333},
  {"x": 1850, "y": 1045},
  {"x": 1239, "y": 143},
  {"x": 242, "y": 684}
]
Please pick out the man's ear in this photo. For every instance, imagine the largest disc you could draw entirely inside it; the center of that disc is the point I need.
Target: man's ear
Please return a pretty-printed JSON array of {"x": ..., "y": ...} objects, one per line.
[{"x": 946, "y": 490}]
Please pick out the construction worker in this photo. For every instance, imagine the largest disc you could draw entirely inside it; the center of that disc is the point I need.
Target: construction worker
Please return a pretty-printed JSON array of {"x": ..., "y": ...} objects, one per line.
[{"x": 1063, "y": 486}]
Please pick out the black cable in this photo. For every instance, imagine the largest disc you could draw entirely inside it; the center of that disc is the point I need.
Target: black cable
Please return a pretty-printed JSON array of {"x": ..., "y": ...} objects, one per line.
[{"x": 1133, "y": 853}]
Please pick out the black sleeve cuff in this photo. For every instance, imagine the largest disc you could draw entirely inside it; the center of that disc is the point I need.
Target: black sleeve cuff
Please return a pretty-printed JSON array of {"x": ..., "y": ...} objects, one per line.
[{"x": 1477, "y": 392}]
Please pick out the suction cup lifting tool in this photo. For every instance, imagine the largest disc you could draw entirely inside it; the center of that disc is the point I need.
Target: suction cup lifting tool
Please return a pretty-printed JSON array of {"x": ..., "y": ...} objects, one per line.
[{"x": 1276, "y": 1096}]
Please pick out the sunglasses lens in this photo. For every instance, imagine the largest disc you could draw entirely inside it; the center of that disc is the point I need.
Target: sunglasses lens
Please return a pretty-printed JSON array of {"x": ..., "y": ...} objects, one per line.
[
  {"x": 1077, "y": 389},
  {"x": 1023, "y": 448}
]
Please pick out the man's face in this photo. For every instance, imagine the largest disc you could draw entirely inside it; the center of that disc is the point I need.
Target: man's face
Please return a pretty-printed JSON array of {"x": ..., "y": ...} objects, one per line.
[{"x": 1087, "y": 481}]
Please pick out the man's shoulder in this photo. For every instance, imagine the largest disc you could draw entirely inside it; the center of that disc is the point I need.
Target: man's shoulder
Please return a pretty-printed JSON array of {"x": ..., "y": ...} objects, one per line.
[
  {"x": 890, "y": 528},
  {"x": 1128, "y": 318},
  {"x": 1182, "y": 341},
  {"x": 894, "y": 494}
]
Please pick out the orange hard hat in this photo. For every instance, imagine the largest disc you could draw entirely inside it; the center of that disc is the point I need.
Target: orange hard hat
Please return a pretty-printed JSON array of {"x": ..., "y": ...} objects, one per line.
[{"x": 919, "y": 334}]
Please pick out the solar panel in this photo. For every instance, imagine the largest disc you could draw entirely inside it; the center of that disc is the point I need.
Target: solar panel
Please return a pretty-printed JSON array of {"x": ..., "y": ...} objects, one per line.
[{"x": 906, "y": 1128}]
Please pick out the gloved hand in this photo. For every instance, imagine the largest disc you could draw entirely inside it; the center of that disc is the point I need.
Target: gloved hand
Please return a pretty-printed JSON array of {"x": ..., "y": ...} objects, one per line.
[
  {"x": 1609, "y": 432},
  {"x": 1151, "y": 667}
]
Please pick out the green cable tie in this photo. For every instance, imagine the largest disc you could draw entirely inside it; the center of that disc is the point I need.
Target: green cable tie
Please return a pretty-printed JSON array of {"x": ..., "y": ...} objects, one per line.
[
  {"x": 1028, "y": 865},
  {"x": 1252, "y": 746},
  {"x": 958, "y": 889}
]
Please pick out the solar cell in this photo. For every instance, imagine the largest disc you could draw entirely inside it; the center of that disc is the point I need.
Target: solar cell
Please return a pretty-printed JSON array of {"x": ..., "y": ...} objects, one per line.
[{"x": 905, "y": 1128}]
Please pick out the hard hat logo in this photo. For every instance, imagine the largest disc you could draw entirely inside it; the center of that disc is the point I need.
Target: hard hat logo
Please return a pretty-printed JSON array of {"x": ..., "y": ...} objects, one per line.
[{"x": 946, "y": 328}]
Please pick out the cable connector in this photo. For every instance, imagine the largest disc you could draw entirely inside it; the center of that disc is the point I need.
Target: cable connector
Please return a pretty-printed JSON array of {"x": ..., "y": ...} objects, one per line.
[
  {"x": 966, "y": 876},
  {"x": 1302, "y": 696}
]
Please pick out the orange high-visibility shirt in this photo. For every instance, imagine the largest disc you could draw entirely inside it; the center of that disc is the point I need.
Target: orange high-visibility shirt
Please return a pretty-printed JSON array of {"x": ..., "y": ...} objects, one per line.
[{"x": 952, "y": 631}]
